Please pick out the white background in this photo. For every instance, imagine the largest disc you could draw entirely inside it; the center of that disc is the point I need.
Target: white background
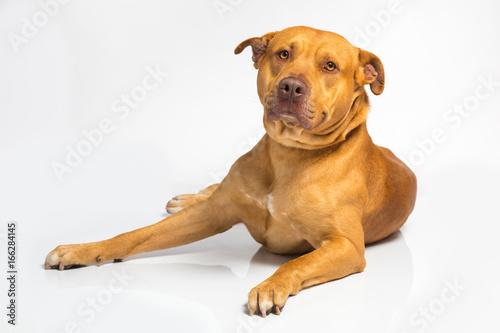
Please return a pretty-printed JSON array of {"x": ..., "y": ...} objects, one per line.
[{"x": 186, "y": 133}]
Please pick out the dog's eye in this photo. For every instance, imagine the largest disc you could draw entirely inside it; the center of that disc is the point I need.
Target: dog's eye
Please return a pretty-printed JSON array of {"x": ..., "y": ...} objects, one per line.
[
  {"x": 330, "y": 66},
  {"x": 284, "y": 54}
]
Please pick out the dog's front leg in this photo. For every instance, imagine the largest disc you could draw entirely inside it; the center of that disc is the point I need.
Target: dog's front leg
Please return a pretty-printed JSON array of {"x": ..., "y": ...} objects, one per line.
[
  {"x": 336, "y": 258},
  {"x": 201, "y": 220}
]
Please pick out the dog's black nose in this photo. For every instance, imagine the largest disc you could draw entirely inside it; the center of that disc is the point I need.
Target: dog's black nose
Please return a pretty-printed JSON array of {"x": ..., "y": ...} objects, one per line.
[{"x": 293, "y": 89}]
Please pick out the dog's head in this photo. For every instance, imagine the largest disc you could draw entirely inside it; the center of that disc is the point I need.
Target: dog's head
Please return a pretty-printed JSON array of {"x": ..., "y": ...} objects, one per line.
[{"x": 309, "y": 81}]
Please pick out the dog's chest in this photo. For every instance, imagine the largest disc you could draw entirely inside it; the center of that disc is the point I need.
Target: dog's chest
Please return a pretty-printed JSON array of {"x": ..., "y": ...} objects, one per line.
[{"x": 270, "y": 224}]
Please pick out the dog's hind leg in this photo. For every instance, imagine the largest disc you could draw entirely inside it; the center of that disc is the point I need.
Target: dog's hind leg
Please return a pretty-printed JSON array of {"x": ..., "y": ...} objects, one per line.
[{"x": 184, "y": 200}]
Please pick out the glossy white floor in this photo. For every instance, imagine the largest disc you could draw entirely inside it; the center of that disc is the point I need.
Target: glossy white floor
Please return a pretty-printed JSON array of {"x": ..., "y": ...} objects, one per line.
[
  {"x": 439, "y": 111},
  {"x": 439, "y": 274}
]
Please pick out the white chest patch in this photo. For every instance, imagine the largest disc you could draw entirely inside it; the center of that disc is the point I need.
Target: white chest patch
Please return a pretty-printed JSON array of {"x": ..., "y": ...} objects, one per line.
[
  {"x": 268, "y": 200},
  {"x": 265, "y": 203}
]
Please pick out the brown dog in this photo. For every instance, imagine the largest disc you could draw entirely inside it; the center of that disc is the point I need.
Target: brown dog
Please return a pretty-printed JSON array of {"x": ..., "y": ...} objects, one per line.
[{"x": 314, "y": 184}]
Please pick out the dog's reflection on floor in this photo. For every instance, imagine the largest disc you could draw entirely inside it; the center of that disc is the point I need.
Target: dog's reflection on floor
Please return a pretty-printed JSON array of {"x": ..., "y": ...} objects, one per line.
[{"x": 373, "y": 295}]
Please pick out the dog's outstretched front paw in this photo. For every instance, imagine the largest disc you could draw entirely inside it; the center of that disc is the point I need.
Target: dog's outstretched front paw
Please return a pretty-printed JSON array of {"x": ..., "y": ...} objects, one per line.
[
  {"x": 65, "y": 256},
  {"x": 268, "y": 297}
]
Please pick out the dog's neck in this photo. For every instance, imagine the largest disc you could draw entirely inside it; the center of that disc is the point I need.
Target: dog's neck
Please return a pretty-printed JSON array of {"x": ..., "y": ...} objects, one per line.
[{"x": 296, "y": 137}]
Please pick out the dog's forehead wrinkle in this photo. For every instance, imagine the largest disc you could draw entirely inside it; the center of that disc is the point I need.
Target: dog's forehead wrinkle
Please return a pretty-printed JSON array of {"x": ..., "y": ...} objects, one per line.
[
  {"x": 327, "y": 52},
  {"x": 291, "y": 44},
  {"x": 307, "y": 33}
]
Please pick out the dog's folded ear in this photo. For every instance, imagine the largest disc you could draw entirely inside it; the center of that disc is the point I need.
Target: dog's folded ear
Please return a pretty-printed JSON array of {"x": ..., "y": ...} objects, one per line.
[
  {"x": 258, "y": 44},
  {"x": 370, "y": 71}
]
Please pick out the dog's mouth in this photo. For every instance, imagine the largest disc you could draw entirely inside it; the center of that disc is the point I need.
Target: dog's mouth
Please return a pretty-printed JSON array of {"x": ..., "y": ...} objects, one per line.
[{"x": 292, "y": 114}]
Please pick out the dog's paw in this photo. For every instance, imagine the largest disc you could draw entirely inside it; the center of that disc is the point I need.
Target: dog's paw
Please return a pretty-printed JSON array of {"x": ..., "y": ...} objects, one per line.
[
  {"x": 182, "y": 201},
  {"x": 65, "y": 256},
  {"x": 268, "y": 297}
]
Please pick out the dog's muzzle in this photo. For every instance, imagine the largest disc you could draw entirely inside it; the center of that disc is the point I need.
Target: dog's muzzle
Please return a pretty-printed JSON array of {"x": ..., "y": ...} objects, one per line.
[{"x": 291, "y": 103}]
